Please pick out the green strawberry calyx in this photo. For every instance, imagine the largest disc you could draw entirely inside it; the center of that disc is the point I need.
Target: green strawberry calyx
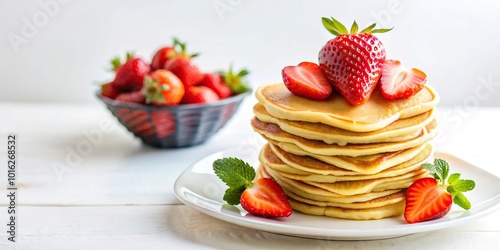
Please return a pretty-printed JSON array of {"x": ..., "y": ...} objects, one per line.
[
  {"x": 454, "y": 185},
  {"x": 116, "y": 62},
  {"x": 337, "y": 28},
  {"x": 238, "y": 176},
  {"x": 152, "y": 90},
  {"x": 235, "y": 81},
  {"x": 180, "y": 49}
]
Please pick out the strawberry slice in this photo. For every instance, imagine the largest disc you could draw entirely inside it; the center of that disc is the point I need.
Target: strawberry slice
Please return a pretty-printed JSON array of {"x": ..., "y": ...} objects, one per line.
[
  {"x": 431, "y": 198},
  {"x": 307, "y": 80},
  {"x": 265, "y": 198},
  {"x": 397, "y": 82}
]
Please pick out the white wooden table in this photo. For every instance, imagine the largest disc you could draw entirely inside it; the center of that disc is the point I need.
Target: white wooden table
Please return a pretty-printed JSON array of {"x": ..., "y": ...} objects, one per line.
[{"x": 84, "y": 182}]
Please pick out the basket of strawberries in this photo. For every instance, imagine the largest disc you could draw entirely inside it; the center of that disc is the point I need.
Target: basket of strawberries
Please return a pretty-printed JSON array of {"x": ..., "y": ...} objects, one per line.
[{"x": 170, "y": 102}]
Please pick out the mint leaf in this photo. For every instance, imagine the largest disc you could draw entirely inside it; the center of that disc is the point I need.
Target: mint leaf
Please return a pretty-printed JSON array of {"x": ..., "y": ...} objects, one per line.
[
  {"x": 232, "y": 195},
  {"x": 452, "y": 191},
  {"x": 442, "y": 169},
  {"x": 453, "y": 179},
  {"x": 464, "y": 185},
  {"x": 237, "y": 175},
  {"x": 234, "y": 172},
  {"x": 432, "y": 169},
  {"x": 462, "y": 201}
]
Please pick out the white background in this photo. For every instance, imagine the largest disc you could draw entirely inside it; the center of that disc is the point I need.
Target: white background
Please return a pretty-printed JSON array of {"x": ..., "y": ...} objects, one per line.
[{"x": 58, "y": 50}]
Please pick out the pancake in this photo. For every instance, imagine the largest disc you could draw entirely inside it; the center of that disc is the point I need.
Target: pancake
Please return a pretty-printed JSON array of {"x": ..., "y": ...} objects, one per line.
[
  {"x": 350, "y": 214},
  {"x": 375, "y": 114},
  {"x": 324, "y": 172},
  {"x": 400, "y": 130},
  {"x": 347, "y": 188},
  {"x": 261, "y": 173},
  {"x": 377, "y": 202},
  {"x": 326, "y": 196},
  {"x": 361, "y": 165},
  {"x": 366, "y": 186},
  {"x": 274, "y": 133}
]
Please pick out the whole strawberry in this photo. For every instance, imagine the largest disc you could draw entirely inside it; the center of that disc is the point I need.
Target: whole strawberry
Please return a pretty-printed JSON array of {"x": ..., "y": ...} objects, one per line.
[
  {"x": 180, "y": 63},
  {"x": 161, "y": 56},
  {"x": 199, "y": 95},
  {"x": 352, "y": 61},
  {"x": 163, "y": 88},
  {"x": 130, "y": 76},
  {"x": 215, "y": 83}
]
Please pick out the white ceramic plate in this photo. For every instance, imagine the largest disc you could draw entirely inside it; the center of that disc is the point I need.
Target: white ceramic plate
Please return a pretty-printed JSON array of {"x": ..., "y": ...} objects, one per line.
[{"x": 200, "y": 188}]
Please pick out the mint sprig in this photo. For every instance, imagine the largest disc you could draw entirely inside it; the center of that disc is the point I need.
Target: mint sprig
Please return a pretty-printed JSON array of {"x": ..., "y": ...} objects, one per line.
[
  {"x": 237, "y": 174},
  {"x": 454, "y": 185}
]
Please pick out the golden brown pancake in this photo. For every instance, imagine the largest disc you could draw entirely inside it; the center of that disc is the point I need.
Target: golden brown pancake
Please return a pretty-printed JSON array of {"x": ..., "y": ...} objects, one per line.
[
  {"x": 277, "y": 136},
  {"x": 375, "y": 114},
  {"x": 366, "y": 186},
  {"x": 350, "y": 214},
  {"x": 347, "y": 188},
  {"x": 327, "y": 196},
  {"x": 399, "y": 130},
  {"x": 304, "y": 168},
  {"x": 377, "y": 202},
  {"x": 368, "y": 164}
]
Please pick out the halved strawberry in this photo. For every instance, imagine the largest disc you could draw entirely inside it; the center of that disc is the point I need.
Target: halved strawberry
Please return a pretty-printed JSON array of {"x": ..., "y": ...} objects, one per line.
[
  {"x": 431, "y": 198},
  {"x": 425, "y": 200},
  {"x": 265, "y": 198},
  {"x": 307, "y": 80},
  {"x": 397, "y": 82}
]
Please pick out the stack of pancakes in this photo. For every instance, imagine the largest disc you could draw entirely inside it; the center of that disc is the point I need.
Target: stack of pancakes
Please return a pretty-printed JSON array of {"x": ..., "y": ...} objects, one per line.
[{"x": 342, "y": 161}]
